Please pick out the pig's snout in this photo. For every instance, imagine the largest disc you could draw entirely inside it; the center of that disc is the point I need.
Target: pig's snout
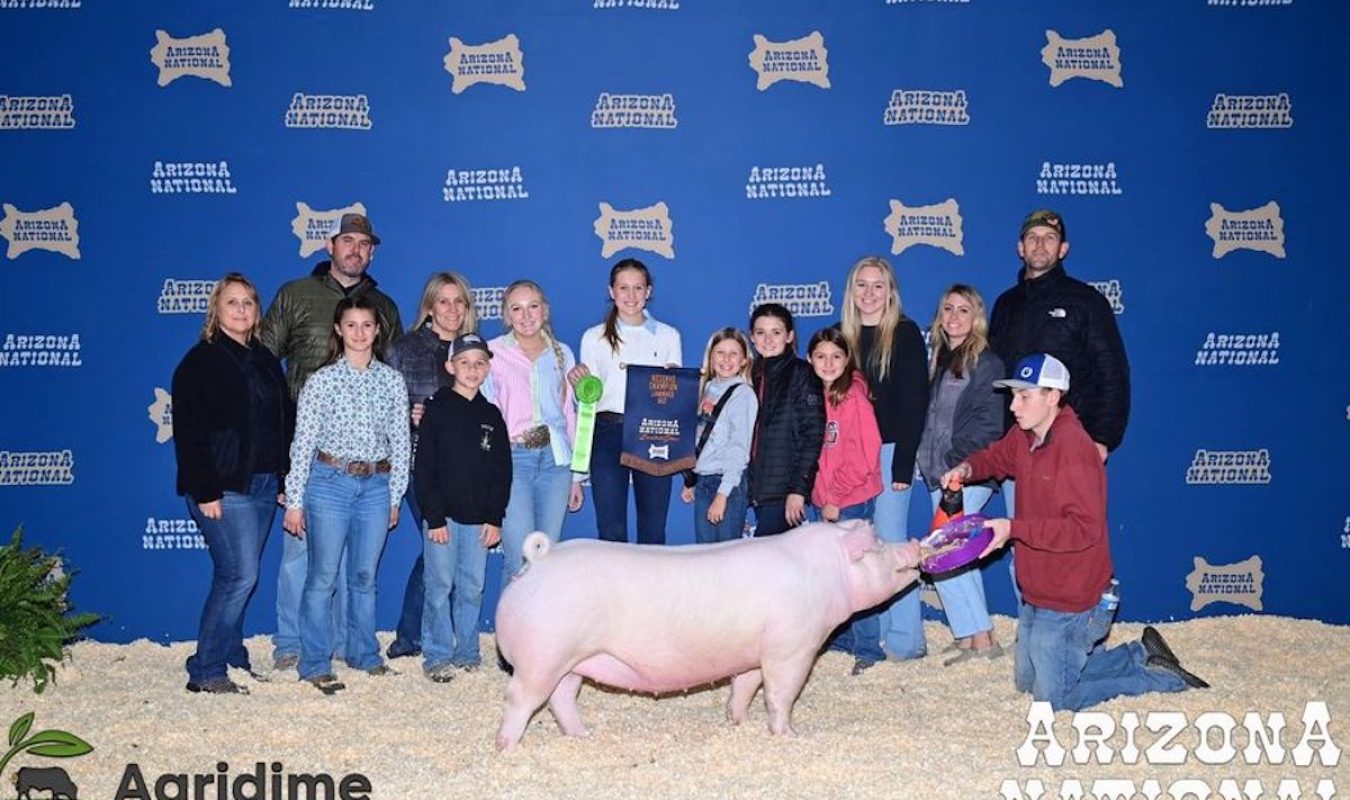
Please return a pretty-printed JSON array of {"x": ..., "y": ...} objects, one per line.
[
  {"x": 907, "y": 555},
  {"x": 536, "y": 546}
]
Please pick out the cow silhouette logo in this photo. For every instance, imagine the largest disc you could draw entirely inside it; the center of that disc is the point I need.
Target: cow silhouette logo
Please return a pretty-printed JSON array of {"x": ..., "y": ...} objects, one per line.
[{"x": 51, "y": 782}]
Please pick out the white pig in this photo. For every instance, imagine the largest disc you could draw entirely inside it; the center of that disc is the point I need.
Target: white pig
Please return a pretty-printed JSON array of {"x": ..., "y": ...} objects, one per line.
[{"x": 661, "y": 619}]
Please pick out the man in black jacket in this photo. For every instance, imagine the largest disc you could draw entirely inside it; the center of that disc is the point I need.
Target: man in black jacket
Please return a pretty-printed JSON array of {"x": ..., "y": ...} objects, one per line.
[{"x": 1050, "y": 312}]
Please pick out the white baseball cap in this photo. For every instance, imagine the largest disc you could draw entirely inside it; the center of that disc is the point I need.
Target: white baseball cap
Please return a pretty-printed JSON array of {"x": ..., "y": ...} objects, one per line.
[{"x": 1040, "y": 370}]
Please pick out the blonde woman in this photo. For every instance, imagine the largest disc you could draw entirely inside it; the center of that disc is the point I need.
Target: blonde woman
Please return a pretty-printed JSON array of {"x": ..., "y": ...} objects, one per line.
[
  {"x": 965, "y": 415},
  {"x": 529, "y": 384},
  {"x": 232, "y": 421},
  {"x": 446, "y": 311},
  {"x": 891, "y": 354}
]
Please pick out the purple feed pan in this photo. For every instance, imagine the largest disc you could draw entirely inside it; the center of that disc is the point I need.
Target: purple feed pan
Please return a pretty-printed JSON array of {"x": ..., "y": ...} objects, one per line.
[{"x": 960, "y": 541}]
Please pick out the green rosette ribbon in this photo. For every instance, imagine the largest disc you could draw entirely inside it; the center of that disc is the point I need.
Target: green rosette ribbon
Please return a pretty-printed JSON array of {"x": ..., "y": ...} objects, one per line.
[{"x": 588, "y": 390}]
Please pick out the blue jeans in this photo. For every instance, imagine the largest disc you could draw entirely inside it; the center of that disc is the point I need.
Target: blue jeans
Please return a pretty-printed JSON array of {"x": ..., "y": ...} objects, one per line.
[
  {"x": 1009, "y": 488},
  {"x": 733, "y": 521},
  {"x": 1060, "y": 660},
  {"x": 962, "y": 592},
  {"x": 609, "y": 490},
  {"x": 408, "y": 635},
  {"x": 539, "y": 493},
  {"x": 343, "y": 513},
  {"x": 235, "y": 542},
  {"x": 860, "y": 635},
  {"x": 771, "y": 518},
  {"x": 290, "y": 586},
  {"x": 450, "y": 623},
  {"x": 901, "y": 619}
]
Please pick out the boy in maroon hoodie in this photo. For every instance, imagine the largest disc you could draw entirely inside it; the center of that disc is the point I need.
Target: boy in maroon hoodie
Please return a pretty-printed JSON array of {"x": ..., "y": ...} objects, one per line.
[{"x": 1063, "y": 554}]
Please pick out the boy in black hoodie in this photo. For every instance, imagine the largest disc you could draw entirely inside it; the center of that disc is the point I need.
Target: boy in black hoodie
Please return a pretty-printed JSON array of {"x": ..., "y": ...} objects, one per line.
[{"x": 463, "y": 470}]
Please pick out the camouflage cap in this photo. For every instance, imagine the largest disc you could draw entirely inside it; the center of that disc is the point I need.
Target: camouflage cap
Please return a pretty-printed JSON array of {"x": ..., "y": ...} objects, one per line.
[
  {"x": 1046, "y": 217},
  {"x": 354, "y": 223}
]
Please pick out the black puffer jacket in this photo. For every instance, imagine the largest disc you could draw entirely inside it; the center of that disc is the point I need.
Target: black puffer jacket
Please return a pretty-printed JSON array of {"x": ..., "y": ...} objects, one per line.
[
  {"x": 1071, "y": 321},
  {"x": 789, "y": 429}
]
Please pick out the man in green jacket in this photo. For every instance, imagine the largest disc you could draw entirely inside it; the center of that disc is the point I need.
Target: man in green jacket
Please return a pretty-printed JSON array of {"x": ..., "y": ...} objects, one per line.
[
  {"x": 296, "y": 328},
  {"x": 300, "y": 319}
]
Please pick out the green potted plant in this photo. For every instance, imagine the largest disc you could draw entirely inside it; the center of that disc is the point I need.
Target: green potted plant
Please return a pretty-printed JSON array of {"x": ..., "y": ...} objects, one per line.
[{"x": 36, "y": 620}]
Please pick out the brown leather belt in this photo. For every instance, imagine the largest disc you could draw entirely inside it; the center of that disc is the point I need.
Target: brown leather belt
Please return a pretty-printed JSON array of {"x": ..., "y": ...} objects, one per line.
[
  {"x": 534, "y": 438},
  {"x": 360, "y": 469}
]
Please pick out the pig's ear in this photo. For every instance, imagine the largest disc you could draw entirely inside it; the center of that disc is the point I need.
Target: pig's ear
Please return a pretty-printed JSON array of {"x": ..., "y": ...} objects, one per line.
[{"x": 858, "y": 540}]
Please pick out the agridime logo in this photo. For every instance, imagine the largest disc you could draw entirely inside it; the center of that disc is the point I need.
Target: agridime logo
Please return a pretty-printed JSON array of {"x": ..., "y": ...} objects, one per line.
[
  {"x": 1235, "y": 467},
  {"x": 936, "y": 226},
  {"x": 161, "y": 415},
  {"x": 340, "y": 111},
  {"x": 56, "y": 112},
  {"x": 313, "y": 228},
  {"x": 802, "y": 299},
  {"x": 44, "y": 468},
  {"x": 927, "y": 107},
  {"x": 203, "y": 56},
  {"x": 1168, "y": 739},
  {"x": 499, "y": 62},
  {"x": 1095, "y": 58},
  {"x": 52, "y": 782},
  {"x": 786, "y": 182},
  {"x": 1259, "y": 229},
  {"x": 1241, "y": 583},
  {"x": 647, "y": 229},
  {"x": 804, "y": 60},
  {"x": 1250, "y": 111},
  {"x": 55, "y": 229}
]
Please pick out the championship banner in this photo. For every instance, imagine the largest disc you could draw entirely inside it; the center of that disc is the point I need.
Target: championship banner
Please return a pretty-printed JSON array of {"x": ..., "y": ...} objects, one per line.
[{"x": 660, "y": 419}]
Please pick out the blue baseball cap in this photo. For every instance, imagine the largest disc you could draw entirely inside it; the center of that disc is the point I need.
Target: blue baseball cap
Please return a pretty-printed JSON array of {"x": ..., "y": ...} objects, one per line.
[
  {"x": 467, "y": 342},
  {"x": 1040, "y": 370}
]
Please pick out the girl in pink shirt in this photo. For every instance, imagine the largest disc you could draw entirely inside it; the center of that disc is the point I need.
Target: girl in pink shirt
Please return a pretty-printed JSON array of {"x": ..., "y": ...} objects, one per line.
[{"x": 849, "y": 479}]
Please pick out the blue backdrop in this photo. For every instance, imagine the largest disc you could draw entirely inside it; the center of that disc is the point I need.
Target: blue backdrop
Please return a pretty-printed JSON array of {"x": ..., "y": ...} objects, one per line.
[{"x": 1195, "y": 148}]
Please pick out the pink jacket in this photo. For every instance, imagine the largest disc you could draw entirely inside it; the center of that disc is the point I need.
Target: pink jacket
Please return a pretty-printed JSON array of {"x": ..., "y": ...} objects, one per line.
[{"x": 850, "y": 460}]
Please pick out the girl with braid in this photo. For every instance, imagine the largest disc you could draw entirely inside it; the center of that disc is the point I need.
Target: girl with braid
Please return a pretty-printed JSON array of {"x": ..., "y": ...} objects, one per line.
[{"x": 529, "y": 384}]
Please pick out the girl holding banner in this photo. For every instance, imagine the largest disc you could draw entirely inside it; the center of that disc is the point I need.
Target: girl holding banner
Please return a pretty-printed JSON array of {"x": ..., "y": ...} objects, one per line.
[
  {"x": 529, "y": 384},
  {"x": 628, "y": 336}
]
